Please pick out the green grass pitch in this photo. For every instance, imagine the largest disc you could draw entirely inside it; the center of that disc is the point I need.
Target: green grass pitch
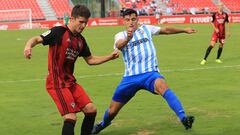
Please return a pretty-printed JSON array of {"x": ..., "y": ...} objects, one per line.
[{"x": 211, "y": 92}]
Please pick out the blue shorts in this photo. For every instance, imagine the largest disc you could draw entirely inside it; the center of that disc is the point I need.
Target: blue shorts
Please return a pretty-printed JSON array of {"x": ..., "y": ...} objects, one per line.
[{"x": 130, "y": 85}]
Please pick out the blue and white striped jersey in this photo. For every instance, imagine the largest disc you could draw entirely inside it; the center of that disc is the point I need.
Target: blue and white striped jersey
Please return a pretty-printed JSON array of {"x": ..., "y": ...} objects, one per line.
[{"x": 139, "y": 54}]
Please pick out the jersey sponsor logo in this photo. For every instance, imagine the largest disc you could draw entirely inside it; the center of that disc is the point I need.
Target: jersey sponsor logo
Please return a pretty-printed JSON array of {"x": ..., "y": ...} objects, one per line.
[
  {"x": 138, "y": 42},
  {"x": 46, "y": 33},
  {"x": 71, "y": 54},
  {"x": 220, "y": 21}
]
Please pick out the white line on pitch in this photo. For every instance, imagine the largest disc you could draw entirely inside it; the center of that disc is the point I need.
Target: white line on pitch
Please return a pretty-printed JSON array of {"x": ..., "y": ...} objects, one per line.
[{"x": 120, "y": 74}]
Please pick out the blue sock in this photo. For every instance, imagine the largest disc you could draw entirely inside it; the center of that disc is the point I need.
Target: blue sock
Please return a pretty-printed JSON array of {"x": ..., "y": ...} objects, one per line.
[
  {"x": 174, "y": 103},
  {"x": 106, "y": 119}
]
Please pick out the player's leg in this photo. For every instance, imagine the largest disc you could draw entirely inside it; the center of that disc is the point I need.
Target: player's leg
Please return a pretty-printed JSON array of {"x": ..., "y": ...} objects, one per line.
[
  {"x": 156, "y": 84},
  {"x": 124, "y": 92},
  {"x": 173, "y": 102},
  {"x": 69, "y": 124},
  {"x": 90, "y": 113},
  {"x": 109, "y": 115},
  {"x": 88, "y": 108},
  {"x": 208, "y": 51},
  {"x": 221, "y": 43},
  {"x": 65, "y": 103}
]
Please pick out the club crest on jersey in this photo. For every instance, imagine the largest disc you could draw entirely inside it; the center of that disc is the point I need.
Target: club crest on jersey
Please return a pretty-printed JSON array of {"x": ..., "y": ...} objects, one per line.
[
  {"x": 68, "y": 40},
  {"x": 73, "y": 105},
  {"x": 141, "y": 30},
  {"x": 46, "y": 33}
]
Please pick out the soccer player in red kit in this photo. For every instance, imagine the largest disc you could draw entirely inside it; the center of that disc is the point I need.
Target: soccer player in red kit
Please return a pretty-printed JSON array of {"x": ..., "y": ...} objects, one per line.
[
  {"x": 218, "y": 22},
  {"x": 66, "y": 44}
]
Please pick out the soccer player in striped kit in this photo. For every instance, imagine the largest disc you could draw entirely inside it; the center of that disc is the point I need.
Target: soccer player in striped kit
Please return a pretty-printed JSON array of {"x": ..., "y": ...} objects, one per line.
[
  {"x": 218, "y": 23},
  {"x": 141, "y": 69},
  {"x": 66, "y": 44}
]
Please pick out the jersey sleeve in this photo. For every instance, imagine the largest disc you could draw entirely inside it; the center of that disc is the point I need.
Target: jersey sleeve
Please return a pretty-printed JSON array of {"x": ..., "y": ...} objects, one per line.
[
  {"x": 154, "y": 29},
  {"x": 118, "y": 36},
  {"x": 85, "y": 52},
  {"x": 52, "y": 36},
  {"x": 226, "y": 19},
  {"x": 213, "y": 17}
]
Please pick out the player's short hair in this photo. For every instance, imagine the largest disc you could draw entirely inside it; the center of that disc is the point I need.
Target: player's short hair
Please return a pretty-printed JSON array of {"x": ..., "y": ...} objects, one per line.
[
  {"x": 129, "y": 11},
  {"x": 80, "y": 10}
]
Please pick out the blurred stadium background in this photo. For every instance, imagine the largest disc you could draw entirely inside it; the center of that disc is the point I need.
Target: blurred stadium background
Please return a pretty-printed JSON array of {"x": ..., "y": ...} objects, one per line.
[{"x": 48, "y": 13}]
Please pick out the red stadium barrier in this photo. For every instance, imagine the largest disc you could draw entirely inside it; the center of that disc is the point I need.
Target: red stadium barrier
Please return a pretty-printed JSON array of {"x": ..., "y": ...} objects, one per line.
[{"x": 192, "y": 19}]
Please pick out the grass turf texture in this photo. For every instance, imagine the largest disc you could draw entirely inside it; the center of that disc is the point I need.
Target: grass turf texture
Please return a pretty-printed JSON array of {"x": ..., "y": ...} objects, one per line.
[{"x": 210, "y": 92}]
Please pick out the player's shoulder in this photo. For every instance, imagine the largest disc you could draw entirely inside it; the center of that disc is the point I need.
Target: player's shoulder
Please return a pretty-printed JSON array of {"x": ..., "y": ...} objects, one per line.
[
  {"x": 81, "y": 37},
  {"x": 58, "y": 28},
  {"x": 121, "y": 33},
  {"x": 148, "y": 26},
  {"x": 145, "y": 26},
  {"x": 225, "y": 13},
  {"x": 214, "y": 13},
  {"x": 54, "y": 31}
]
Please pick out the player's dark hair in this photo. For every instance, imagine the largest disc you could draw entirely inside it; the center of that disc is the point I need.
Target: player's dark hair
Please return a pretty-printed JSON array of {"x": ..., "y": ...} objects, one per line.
[
  {"x": 80, "y": 10},
  {"x": 129, "y": 11}
]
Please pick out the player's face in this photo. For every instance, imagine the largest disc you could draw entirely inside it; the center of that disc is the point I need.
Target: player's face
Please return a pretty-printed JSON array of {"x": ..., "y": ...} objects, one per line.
[
  {"x": 131, "y": 21},
  {"x": 220, "y": 7},
  {"x": 79, "y": 24}
]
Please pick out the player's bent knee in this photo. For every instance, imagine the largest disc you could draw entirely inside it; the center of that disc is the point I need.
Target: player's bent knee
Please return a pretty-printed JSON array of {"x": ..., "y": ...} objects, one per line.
[
  {"x": 90, "y": 108},
  {"x": 160, "y": 86},
  {"x": 70, "y": 116},
  {"x": 212, "y": 43}
]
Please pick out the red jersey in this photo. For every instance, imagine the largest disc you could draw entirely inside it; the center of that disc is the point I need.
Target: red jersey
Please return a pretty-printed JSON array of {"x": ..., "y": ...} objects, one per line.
[
  {"x": 219, "y": 21},
  {"x": 64, "y": 49}
]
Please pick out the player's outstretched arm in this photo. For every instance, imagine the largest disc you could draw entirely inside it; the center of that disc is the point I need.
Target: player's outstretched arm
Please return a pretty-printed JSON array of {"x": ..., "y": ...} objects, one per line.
[
  {"x": 173, "y": 30},
  {"x": 30, "y": 44},
  {"x": 215, "y": 28},
  {"x": 96, "y": 60}
]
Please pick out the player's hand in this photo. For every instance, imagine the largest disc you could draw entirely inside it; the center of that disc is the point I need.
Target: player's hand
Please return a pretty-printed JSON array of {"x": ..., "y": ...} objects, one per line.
[
  {"x": 217, "y": 30},
  {"x": 129, "y": 33},
  {"x": 190, "y": 30},
  {"x": 115, "y": 54},
  {"x": 27, "y": 52}
]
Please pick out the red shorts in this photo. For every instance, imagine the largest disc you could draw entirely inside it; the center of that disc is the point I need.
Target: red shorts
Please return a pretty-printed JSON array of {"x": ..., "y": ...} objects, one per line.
[
  {"x": 69, "y": 100},
  {"x": 216, "y": 37}
]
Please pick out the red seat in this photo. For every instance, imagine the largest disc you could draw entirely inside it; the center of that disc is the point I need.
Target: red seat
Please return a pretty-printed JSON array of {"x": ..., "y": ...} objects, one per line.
[
  {"x": 199, "y": 4},
  {"x": 60, "y": 7},
  {"x": 24, "y": 4},
  {"x": 139, "y": 5},
  {"x": 233, "y": 5}
]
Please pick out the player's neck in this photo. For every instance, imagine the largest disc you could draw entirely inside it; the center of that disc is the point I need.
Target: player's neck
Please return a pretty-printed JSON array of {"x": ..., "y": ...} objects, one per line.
[
  {"x": 71, "y": 29},
  {"x": 220, "y": 12}
]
